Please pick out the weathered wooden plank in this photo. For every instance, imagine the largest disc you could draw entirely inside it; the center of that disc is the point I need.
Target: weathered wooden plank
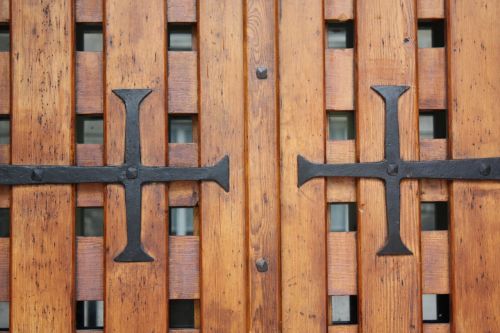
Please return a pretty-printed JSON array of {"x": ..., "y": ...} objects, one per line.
[
  {"x": 89, "y": 154},
  {"x": 473, "y": 58},
  {"x": 4, "y": 269},
  {"x": 262, "y": 170},
  {"x": 432, "y": 78},
  {"x": 339, "y": 10},
  {"x": 427, "y": 328},
  {"x": 42, "y": 217},
  {"x": 4, "y": 83},
  {"x": 390, "y": 287},
  {"x": 89, "y": 83},
  {"x": 339, "y": 80},
  {"x": 89, "y": 11},
  {"x": 182, "y": 82},
  {"x": 183, "y": 154},
  {"x": 435, "y": 262},
  {"x": 431, "y": 9},
  {"x": 341, "y": 189},
  {"x": 135, "y": 43},
  {"x": 183, "y": 194},
  {"x": 181, "y": 11},
  {"x": 432, "y": 189},
  {"x": 4, "y": 11},
  {"x": 89, "y": 268},
  {"x": 342, "y": 263},
  {"x": 4, "y": 153},
  {"x": 343, "y": 329},
  {"x": 223, "y": 261},
  {"x": 184, "y": 267},
  {"x": 90, "y": 195},
  {"x": 303, "y": 226}
]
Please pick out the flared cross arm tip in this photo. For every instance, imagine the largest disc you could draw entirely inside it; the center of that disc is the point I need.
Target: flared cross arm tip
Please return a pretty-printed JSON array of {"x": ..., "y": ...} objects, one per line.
[
  {"x": 133, "y": 254},
  {"x": 305, "y": 170},
  {"x": 219, "y": 173},
  {"x": 394, "y": 246}
]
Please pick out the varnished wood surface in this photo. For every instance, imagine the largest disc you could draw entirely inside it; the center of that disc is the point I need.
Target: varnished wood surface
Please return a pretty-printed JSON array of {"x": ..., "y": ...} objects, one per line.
[
  {"x": 474, "y": 78},
  {"x": 181, "y": 10},
  {"x": 136, "y": 294},
  {"x": 89, "y": 82},
  {"x": 89, "y": 11},
  {"x": 4, "y": 83},
  {"x": 183, "y": 82}
]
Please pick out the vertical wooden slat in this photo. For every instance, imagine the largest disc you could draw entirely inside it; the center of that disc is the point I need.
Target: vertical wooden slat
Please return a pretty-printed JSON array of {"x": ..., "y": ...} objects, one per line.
[
  {"x": 474, "y": 80},
  {"x": 42, "y": 220},
  {"x": 389, "y": 287},
  {"x": 262, "y": 169},
  {"x": 4, "y": 11},
  {"x": 4, "y": 83},
  {"x": 302, "y": 131},
  {"x": 136, "y": 57},
  {"x": 223, "y": 241}
]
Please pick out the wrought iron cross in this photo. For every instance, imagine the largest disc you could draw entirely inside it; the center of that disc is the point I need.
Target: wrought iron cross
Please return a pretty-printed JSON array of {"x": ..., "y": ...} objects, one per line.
[
  {"x": 132, "y": 175},
  {"x": 393, "y": 170}
]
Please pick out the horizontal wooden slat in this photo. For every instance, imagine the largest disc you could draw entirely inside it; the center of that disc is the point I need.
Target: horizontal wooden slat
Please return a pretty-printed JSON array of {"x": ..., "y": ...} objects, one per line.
[
  {"x": 339, "y": 79},
  {"x": 183, "y": 154},
  {"x": 183, "y": 194},
  {"x": 4, "y": 11},
  {"x": 4, "y": 269},
  {"x": 430, "y": 9},
  {"x": 341, "y": 151},
  {"x": 339, "y": 10},
  {"x": 342, "y": 267},
  {"x": 184, "y": 330},
  {"x": 4, "y": 154},
  {"x": 181, "y": 10},
  {"x": 435, "y": 259},
  {"x": 184, "y": 267},
  {"x": 432, "y": 78},
  {"x": 4, "y": 196},
  {"x": 182, "y": 82},
  {"x": 341, "y": 189},
  {"x": 427, "y": 328},
  {"x": 342, "y": 264},
  {"x": 432, "y": 189},
  {"x": 4, "y": 83},
  {"x": 90, "y": 195},
  {"x": 89, "y": 154},
  {"x": 89, "y": 83},
  {"x": 89, "y": 11},
  {"x": 89, "y": 268}
]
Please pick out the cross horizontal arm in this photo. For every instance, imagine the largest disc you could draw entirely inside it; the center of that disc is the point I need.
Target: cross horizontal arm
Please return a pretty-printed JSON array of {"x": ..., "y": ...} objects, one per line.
[{"x": 470, "y": 169}]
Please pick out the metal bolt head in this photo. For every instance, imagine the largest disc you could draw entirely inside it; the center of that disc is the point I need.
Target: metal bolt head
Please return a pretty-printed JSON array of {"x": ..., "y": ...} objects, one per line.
[
  {"x": 392, "y": 169},
  {"x": 261, "y": 73},
  {"x": 132, "y": 173},
  {"x": 261, "y": 265},
  {"x": 484, "y": 169},
  {"x": 37, "y": 175}
]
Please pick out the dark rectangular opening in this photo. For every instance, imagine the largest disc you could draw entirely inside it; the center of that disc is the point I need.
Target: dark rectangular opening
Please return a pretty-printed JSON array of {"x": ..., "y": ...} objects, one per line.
[
  {"x": 343, "y": 217},
  {"x": 4, "y": 38},
  {"x": 89, "y": 315},
  {"x": 181, "y": 221},
  {"x": 180, "y": 129},
  {"x": 90, "y": 221},
  {"x": 340, "y": 35},
  {"x": 4, "y": 129},
  {"x": 431, "y": 34},
  {"x": 180, "y": 37},
  {"x": 181, "y": 313},
  {"x": 4, "y": 316},
  {"x": 433, "y": 124},
  {"x": 434, "y": 215},
  {"x": 89, "y": 37},
  {"x": 341, "y": 126},
  {"x": 436, "y": 308},
  {"x": 344, "y": 310},
  {"x": 4, "y": 222},
  {"x": 89, "y": 129}
]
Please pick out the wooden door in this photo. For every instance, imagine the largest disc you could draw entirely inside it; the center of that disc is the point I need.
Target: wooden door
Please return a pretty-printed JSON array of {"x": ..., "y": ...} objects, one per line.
[{"x": 262, "y": 82}]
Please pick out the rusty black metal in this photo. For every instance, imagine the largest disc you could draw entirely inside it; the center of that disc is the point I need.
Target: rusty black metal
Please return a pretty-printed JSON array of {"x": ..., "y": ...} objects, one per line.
[
  {"x": 393, "y": 169},
  {"x": 261, "y": 73},
  {"x": 132, "y": 175},
  {"x": 261, "y": 265}
]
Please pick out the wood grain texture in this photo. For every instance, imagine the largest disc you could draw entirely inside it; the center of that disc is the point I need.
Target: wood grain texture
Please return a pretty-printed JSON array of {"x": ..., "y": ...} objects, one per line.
[
  {"x": 343, "y": 329},
  {"x": 432, "y": 78},
  {"x": 4, "y": 83},
  {"x": 223, "y": 223},
  {"x": 4, "y": 269},
  {"x": 427, "y": 328},
  {"x": 89, "y": 11},
  {"x": 183, "y": 194},
  {"x": 302, "y": 131},
  {"x": 182, "y": 82},
  {"x": 89, "y": 154},
  {"x": 136, "y": 296},
  {"x": 339, "y": 10},
  {"x": 4, "y": 11},
  {"x": 262, "y": 174},
  {"x": 341, "y": 189},
  {"x": 389, "y": 287},
  {"x": 183, "y": 154},
  {"x": 435, "y": 262},
  {"x": 89, "y": 83},
  {"x": 42, "y": 217},
  {"x": 90, "y": 195},
  {"x": 339, "y": 79},
  {"x": 89, "y": 268},
  {"x": 474, "y": 81},
  {"x": 433, "y": 189},
  {"x": 431, "y": 9},
  {"x": 184, "y": 267},
  {"x": 342, "y": 263},
  {"x": 181, "y": 11}
]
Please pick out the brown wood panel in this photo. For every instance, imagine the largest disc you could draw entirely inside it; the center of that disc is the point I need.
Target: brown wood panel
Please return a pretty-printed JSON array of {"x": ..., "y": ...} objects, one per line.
[
  {"x": 42, "y": 217},
  {"x": 341, "y": 189},
  {"x": 89, "y": 154},
  {"x": 339, "y": 10},
  {"x": 339, "y": 79},
  {"x": 4, "y": 269},
  {"x": 474, "y": 77},
  {"x": 432, "y": 78},
  {"x": 89, "y": 11},
  {"x": 183, "y": 194},
  {"x": 4, "y": 82},
  {"x": 181, "y": 10},
  {"x": 262, "y": 174},
  {"x": 182, "y": 82},
  {"x": 343, "y": 329},
  {"x": 136, "y": 296},
  {"x": 89, "y": 268},
  {"x": 302, "y": 131},
  {"x": 4, "y": 153},
  {"x": 89, "y": 82},
  {"x": 435, "y": 262},
  {"x": 4, "y": 11},
  {"x": 90, "y": 195},
  {"x": 183, "y": 154},
  {"x": 223, "y": 223},
  {"x": 431, "y": 9},
  {"x": 184, "y": 267},
  {"x": 4, "y": 196},
  {"x": 342, "y": 263},
  {"x": 390, "y": 286},
  {"x": 432, "y": 189},
  {"x": 436, "y": 328}
]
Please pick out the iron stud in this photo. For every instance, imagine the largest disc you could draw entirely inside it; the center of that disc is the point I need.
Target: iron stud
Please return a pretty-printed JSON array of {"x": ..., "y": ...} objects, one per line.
[
  {"x": 261, "y": 73},
  {"x": 261, "y": 265}
]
